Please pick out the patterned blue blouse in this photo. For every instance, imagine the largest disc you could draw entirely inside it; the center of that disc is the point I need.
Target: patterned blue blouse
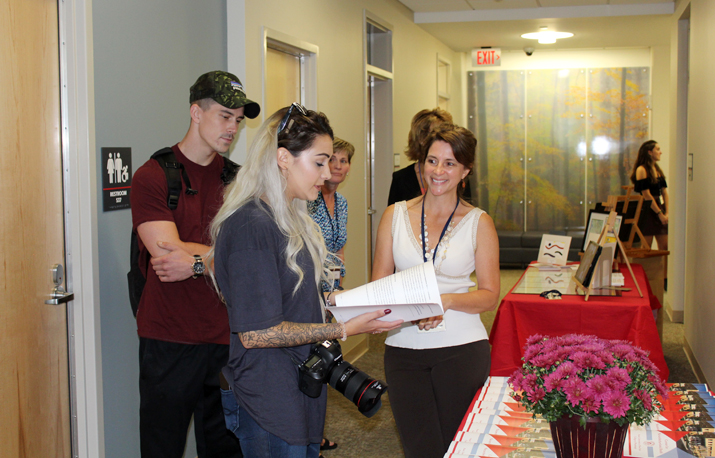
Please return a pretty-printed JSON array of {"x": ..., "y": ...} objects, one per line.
[{"x": 335, "y": 228}]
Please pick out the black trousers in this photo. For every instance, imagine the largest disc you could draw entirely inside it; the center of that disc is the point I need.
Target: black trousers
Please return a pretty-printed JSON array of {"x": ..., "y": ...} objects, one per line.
[
  {"x": 177, "y": 381},
  {"x": 431, "y": 390}
]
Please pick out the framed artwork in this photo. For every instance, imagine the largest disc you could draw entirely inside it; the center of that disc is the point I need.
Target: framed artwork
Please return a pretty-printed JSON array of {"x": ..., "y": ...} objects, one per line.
[
  {"x": 588, "y": 263},
  {"x": 596, "y": 221},
  {"x": 554, "y": 249}
]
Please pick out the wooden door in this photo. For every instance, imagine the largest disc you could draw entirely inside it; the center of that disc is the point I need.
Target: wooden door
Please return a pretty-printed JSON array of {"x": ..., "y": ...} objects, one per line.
[
  {"x": 34, "y": 388},
  {"x": 282, "y": 80}
]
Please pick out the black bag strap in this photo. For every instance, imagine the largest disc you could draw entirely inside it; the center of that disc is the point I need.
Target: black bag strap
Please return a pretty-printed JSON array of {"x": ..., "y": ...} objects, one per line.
[
  {"x": 230, "y": 169},
  {"x": 175, "y": 173}
]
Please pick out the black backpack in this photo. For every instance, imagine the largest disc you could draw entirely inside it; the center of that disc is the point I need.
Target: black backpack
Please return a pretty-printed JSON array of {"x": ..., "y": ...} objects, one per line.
[{"x": 175, "y": 174}]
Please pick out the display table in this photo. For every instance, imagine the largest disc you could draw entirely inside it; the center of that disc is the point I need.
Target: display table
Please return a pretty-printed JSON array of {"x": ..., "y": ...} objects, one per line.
[{"x": 629, "y": 317}]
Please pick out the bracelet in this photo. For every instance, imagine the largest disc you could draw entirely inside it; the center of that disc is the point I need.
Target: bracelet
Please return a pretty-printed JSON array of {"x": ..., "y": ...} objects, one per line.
[
  {"x": 344, "y": 331},
  {"x": 327, "y": 300}
]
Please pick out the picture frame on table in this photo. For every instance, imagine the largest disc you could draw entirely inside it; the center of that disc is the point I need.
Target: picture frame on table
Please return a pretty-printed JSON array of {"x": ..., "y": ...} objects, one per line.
[
  {"x": 588, "y": 263},
  {"x": 596, "y": 221}
]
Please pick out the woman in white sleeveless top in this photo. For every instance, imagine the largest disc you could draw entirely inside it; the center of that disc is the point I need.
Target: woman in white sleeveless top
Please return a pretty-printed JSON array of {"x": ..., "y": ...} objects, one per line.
[{"x": 434, "y": 367}]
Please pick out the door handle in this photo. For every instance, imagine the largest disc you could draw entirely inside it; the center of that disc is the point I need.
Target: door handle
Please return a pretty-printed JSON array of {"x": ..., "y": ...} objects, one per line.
[
  {"x": 59, "y": 297},
  {"x": 370, "y": 211},
  {"x": 58, "y": 294}
]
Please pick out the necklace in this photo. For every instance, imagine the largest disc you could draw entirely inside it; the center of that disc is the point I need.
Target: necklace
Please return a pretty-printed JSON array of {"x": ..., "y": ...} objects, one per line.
[{"x": 428, "y": 254}]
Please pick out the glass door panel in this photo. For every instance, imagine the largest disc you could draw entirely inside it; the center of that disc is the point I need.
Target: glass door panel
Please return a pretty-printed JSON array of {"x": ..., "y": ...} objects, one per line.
[
  {"x": 555, "y": 149},
  {"x": 496, "y": 116},
  {"x": 617, "y": 125}
]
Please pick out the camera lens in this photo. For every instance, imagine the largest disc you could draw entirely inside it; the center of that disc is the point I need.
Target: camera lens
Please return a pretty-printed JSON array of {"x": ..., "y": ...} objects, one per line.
[{"x": 363, "y": 390}]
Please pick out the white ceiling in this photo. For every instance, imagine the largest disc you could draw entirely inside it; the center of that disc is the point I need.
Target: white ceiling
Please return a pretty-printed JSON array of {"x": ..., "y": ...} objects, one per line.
[{"x": 466, "y": 24}]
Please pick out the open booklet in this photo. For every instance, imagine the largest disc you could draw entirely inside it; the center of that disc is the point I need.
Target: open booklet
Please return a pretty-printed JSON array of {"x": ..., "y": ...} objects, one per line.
[{"x": 411, "y": 295}]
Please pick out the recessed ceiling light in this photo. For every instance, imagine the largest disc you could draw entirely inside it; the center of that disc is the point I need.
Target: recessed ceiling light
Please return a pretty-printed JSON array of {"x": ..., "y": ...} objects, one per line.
[{"x": 546, "y": 36}]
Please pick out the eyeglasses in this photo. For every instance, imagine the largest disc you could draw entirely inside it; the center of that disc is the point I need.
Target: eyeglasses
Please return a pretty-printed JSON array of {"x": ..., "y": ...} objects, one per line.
[{"x": 301, "y": 109}]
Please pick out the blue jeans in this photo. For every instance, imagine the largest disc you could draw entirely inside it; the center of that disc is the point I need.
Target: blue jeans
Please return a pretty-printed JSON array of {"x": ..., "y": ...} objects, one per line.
[{"x": 256, "y": 442}]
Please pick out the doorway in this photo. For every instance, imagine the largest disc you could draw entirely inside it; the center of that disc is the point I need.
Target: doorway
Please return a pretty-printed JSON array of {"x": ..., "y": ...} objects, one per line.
[
  {"x": 681, "y": 272},
  {"x": 378, "y": 108},
  {"x": 289, "y": 72}
]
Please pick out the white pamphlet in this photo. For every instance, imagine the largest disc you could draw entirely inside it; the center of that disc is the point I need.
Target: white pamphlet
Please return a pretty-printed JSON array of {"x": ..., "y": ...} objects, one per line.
[{"x": 411, "y": 294}]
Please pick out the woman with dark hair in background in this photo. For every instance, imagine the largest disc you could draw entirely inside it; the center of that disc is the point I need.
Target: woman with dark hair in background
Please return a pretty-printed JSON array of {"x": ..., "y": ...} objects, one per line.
[
  {"x": 435, "y": 366},
  {"x": 649, "y": 180},
  {"x": 408, "y": 183},
  {"x": 268, "y": 260}
]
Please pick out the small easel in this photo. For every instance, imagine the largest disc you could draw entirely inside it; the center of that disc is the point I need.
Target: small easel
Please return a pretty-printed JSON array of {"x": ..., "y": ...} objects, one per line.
[{"x": 608, "y": 229}]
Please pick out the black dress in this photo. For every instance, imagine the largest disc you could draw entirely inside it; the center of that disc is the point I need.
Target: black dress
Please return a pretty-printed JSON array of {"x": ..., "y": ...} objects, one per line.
[{"x": 649, "y": 222}]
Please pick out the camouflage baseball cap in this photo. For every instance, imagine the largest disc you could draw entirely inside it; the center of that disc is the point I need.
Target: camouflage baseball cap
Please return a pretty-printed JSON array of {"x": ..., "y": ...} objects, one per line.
[{"x": 226, "y": 89}]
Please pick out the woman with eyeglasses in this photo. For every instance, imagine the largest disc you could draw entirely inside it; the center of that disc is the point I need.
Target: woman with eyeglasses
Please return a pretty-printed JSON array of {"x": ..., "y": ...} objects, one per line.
[
  {"x": 435, "y": 366},
  {"x": 268, "y": 262}
]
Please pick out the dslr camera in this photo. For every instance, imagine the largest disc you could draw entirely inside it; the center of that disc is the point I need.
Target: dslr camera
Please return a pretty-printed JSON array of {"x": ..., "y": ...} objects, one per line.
[{"x": 326, "y": 365}]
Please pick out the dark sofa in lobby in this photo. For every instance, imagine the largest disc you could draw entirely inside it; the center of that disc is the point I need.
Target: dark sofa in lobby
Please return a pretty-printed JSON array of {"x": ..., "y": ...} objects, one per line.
[{"x": 517, "y": 248}]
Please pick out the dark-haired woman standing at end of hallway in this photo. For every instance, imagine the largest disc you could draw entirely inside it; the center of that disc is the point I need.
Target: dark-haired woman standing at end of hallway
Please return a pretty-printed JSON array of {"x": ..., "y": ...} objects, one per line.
[{"x": 649, "y": 180}]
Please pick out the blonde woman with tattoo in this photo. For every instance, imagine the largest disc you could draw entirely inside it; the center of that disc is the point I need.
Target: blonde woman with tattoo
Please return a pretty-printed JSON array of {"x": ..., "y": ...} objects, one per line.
[{"x": 268, "y": 263}]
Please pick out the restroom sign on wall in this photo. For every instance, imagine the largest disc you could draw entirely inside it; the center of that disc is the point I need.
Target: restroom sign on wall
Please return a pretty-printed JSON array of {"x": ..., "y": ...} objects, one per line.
[
  {"x": 490, "y": 57},
  {"x": 116, "y": 173}
]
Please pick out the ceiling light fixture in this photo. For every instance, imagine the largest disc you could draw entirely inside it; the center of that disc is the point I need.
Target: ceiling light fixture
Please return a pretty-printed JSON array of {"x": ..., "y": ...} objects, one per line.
[{"x": 546, "y": 36}]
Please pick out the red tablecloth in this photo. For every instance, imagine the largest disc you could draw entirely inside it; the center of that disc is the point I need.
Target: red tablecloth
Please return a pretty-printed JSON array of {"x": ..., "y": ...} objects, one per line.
[{"x": 629, "y": 317}]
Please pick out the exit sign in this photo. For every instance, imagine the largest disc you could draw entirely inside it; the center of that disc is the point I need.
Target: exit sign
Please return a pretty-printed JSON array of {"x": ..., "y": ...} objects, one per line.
[{"x": 486, "y": 57}]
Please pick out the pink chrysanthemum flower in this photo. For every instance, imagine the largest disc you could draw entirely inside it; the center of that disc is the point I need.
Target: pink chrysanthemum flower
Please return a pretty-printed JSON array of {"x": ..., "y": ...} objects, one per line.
[
  {"x": 616, "y": 404},
  {"x": 587, "y": 360},
  {"x": 617, "y": 378},
  {"x": 533, "y": 339},
  {"x": 516, "y": 380},
  {"x": 644, "y": 398},
  {"x": 537, "y": 394},
  {"x": 530, "y": 382},
  {"x": 575, "y": 390},
  {"x": 598, "y": 386},
  {"x": 553, "y": 381},
  {"x": 567, "y": 369},
  {"x": 590, "y": 404},
  {"x": 606, "y": 357}
]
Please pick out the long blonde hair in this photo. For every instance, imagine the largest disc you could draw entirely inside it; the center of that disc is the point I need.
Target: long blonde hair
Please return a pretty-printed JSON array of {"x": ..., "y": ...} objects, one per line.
[{"x": 261, "y": 179}]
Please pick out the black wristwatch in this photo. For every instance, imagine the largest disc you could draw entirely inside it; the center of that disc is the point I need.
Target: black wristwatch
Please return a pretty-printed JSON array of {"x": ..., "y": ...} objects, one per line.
[{"x": 198, "y": 266}]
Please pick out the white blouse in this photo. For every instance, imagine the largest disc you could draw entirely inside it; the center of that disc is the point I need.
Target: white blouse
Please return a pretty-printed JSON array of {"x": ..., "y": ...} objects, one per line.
[{"x": 454, "y": 264}]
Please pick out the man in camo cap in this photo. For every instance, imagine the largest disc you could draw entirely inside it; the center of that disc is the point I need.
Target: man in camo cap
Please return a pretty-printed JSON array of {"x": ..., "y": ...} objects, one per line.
[{"x": 182, "y": 324}]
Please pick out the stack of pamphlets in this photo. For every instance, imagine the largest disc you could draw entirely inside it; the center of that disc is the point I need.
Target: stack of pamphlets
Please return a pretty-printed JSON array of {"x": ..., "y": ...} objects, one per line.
[{"x": 498, "y": 426}]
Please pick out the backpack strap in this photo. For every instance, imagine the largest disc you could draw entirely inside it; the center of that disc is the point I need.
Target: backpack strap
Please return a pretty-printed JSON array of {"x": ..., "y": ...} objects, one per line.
[
  {"x": 175, "y": 173},
  {"x": 230, "y": 169}
]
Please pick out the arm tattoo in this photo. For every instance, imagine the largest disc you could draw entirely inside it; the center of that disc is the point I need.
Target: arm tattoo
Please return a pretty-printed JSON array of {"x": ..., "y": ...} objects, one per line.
[{"x": 287, "y": 334}]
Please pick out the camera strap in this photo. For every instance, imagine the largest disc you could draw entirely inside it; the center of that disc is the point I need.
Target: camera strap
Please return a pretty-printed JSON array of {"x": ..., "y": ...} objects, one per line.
[{"x": 292, "y": 358}]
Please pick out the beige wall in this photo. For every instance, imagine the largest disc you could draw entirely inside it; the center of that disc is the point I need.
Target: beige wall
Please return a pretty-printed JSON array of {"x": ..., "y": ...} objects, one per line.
[
  {"x": 336, "y": 27},
  {"x": 699, "y": 312}
]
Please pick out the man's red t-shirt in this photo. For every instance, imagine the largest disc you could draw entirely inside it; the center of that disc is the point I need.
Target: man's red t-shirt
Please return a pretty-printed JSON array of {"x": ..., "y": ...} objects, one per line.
[{"x": 188, "y": 311}]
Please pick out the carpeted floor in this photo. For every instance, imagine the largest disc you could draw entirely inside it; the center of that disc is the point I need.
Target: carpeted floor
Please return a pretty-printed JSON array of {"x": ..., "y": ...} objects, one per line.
[{"x": 377, "y": 437}]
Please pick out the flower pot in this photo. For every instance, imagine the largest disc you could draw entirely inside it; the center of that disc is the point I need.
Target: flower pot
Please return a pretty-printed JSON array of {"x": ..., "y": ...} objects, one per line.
[{"x": 596, "y": 440}]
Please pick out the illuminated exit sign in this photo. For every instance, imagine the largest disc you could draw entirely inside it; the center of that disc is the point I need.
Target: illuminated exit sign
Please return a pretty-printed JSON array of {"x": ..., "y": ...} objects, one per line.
[{"x": 486, "y": 57}]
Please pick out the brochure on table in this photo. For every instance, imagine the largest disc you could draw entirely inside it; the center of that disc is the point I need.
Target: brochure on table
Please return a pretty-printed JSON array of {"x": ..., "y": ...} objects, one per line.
[{"x": 411, "y": 294}]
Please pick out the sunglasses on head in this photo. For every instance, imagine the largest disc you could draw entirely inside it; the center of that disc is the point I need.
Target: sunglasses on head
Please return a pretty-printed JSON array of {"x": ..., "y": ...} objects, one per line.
[{"x": 284, "y": 122}]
